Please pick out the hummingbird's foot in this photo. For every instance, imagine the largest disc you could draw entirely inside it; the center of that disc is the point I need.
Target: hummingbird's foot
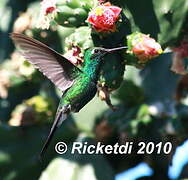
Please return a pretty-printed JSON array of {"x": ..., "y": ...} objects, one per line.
[
  {"x": 108, "y": 102},
  {"x": 104, "y": 95}
]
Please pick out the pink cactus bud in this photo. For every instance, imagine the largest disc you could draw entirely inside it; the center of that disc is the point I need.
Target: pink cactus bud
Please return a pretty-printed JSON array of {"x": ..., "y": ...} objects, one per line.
[
  {"x": 144, "y": 47},
  {"x": 104, "y": 17}
]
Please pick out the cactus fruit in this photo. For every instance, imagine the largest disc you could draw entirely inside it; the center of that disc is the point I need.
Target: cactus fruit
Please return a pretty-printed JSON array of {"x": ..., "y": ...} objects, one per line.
[{"x": 141, "y": 48}]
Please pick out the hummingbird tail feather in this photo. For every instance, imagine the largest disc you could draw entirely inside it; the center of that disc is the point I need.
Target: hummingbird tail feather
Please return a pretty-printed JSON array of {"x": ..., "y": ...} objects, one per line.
[{"x": 61, "y": 115}]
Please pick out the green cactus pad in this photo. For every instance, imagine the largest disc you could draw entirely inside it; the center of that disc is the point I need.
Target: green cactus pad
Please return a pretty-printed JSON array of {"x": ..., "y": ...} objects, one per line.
[
  {"x": 81, "y": 38},
  {"x": 112, "y": 71},
  {"x": 130, "y": 94},
  {"x": 73, "y": 13}
]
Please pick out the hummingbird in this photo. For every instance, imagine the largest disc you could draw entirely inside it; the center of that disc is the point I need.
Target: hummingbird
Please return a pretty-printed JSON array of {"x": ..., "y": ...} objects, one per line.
[{"x": 78, "y": 86}]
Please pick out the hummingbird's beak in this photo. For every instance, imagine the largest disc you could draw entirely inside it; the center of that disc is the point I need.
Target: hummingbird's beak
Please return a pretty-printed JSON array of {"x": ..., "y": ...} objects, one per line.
[{"x": 116, "y": 49}]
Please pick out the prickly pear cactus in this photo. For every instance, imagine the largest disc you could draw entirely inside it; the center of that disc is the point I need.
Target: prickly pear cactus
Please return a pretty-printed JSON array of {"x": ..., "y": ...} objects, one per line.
[
  {"x": 73, "y": 13},
  {"x": 150, "y": 105},
  {"x": 171, "y": 20},
  {"x": 112, "y": 79},
  {"x": 81, "y": 38},
  {"x": 133, "y": 94}
]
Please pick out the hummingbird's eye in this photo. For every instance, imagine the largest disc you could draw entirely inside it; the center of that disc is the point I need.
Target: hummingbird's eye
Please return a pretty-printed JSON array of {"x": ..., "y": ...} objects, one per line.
[{"x": 97, "y": 51}]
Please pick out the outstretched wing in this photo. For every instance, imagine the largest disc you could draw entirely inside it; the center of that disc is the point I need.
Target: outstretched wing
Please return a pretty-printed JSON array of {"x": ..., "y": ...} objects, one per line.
[{"x": 53, "y": 65}]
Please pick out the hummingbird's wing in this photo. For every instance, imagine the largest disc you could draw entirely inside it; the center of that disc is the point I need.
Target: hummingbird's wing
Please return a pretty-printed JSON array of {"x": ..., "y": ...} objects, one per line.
[{"x": 52, "y": 64}]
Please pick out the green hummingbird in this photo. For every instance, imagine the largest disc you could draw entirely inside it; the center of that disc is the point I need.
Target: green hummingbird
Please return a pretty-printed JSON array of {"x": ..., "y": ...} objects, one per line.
[{"x": 78, "y": 86}]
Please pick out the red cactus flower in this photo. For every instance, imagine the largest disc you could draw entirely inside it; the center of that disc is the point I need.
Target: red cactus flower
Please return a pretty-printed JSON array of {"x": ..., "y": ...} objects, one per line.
[
  {"x": 104, "y": 17},
  {"x": 144, "y": 47}
]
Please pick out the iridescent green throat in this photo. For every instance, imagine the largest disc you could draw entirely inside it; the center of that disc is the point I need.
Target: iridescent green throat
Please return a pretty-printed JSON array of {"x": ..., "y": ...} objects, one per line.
[{"x": 92, "y": 65}]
